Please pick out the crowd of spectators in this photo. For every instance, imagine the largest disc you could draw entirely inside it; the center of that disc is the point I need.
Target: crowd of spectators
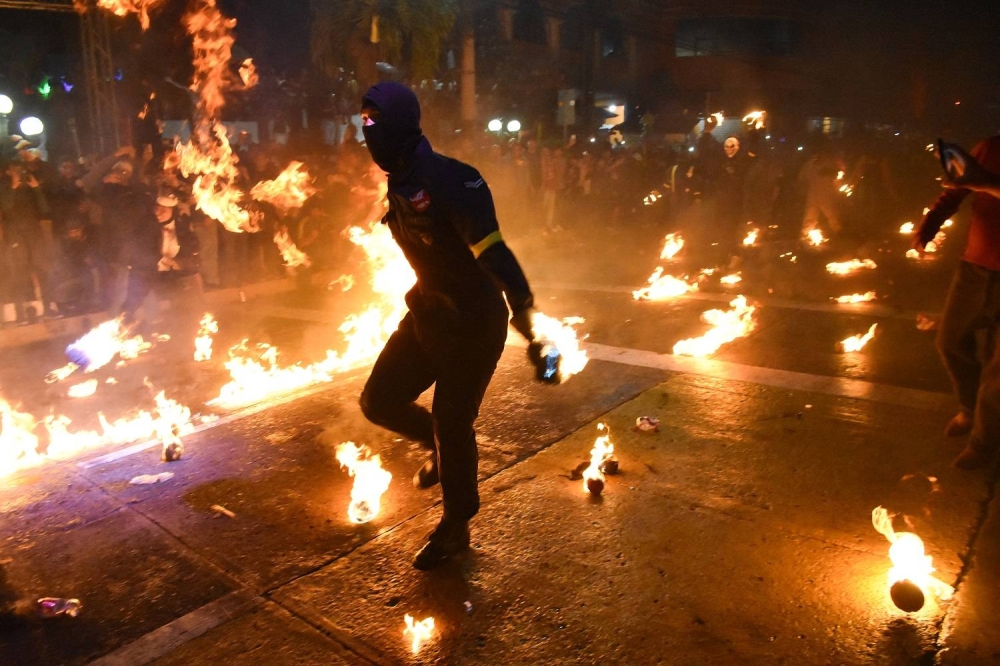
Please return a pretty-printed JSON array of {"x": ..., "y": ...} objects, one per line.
[{"x": 69, "y": 232}]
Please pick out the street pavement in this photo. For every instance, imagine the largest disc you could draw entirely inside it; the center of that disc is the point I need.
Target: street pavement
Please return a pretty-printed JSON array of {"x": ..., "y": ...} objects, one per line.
[{"x": 740, "y": 532}]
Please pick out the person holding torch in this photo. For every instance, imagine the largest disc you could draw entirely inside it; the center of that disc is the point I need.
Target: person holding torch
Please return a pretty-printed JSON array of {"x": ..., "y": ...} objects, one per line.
[{"x": 441, "y": 214}]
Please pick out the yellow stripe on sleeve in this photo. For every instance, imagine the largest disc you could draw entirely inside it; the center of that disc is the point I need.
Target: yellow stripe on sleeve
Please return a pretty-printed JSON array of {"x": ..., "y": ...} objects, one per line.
[{"x": 487, "y": 243}]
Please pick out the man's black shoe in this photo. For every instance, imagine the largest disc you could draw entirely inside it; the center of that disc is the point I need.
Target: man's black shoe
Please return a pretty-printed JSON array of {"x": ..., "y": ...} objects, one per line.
[
  {"x": 449, "y": 539},
  {"x": 427, "y": 476}
]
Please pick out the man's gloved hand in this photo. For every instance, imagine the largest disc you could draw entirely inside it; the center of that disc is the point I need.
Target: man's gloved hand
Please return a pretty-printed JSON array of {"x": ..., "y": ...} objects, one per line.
[{"x": 543, "y": 356}]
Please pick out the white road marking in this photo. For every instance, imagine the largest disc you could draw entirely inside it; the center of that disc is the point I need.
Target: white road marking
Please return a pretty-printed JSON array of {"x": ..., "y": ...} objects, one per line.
[
  {"x": 874, "y": 309},
  {"x": 797, "y": 381},
  {"x": 172, "y": 635}
]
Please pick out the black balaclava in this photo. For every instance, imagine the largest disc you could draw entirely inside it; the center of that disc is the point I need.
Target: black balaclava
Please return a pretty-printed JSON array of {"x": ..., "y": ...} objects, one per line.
[{"x": 395, "y": 135}]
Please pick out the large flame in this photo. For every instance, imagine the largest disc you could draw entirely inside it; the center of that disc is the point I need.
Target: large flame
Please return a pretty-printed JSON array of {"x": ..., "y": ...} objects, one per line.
[
  {"x": 909, "y": 561},
  {"x": 727, "y": 325},
  {"x": 289, "y": 190},
  {"x": 292, "y": 255},
  {"x": 848, "y": 267},
  {"x": 99, "y": 347},
  {"x": 125, "y": 7},
  {"x": 370, "y": 480},
  {"x": 203, "y": 342},
  {"x": 562, "y": 336},
  {"x": 603, "y": 450},
  {"x": 419, "y": 632},
  {"x": 857, "y": 342}
]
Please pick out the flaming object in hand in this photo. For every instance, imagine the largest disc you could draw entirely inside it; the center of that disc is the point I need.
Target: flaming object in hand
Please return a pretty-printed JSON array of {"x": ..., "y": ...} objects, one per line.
[
  {"x": 562, "y": 346},
  {"x": 856, "y": 343},
  {"x": 419, "y": 632},
  {"x": 910, "y": 579},
  {"x": 370, "y": 480}
]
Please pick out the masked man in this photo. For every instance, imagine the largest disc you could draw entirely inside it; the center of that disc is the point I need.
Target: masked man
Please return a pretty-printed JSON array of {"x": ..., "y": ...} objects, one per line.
[{"x": 442, "y": 216}]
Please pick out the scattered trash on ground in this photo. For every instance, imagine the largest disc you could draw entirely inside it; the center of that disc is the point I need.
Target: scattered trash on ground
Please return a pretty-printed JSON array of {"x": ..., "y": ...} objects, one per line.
[
  {"x": 223, "y": 511},
  {"x": 647, "y": 424},
  {"x": 150, "y": 479},
  {"x": 53, "y": 607}
]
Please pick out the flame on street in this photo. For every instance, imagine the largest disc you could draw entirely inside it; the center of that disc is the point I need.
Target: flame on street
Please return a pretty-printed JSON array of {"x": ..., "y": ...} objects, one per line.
[
  {"x": 289, "y": 190},
  {"x": 857, "y": 342},
  {"x": 603, "y": 450},
  {"x": 730, "y": 280},
  {"x": 906, "y": 228},
  {"x": 727, "y": 325},
  {"x": 203, "y": 342},
  {"x": 751, "y": 238},
  {"x": 909, "y": 561},
  {"x": 370, "y": 480},
  {"x": 292, "y": 255},
  {"x": 419, "y": 632},
  {"x": 856, "y": 298},
  {"x": 662, "y": 287},
  {"x": 848, "y": 267},
  {"x": 99, "y": 347}
]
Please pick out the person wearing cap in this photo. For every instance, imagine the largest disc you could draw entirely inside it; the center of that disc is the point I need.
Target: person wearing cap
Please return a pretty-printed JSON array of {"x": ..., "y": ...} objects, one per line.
[
  {"x": 441, "y": 214},
  {"x": 164, "y": 259}
]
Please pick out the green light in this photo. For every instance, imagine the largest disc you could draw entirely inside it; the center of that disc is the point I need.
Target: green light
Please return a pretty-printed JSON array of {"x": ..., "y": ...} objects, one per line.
[{"x": 45, "y": 89}]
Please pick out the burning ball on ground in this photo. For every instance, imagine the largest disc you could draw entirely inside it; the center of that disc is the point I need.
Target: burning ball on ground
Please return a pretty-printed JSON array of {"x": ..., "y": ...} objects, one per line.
[
  {"x": 907, "y": 596},
  {"x": 610, "y": 466},
  {"x": 172, "y": 452},
  {"x": 595, "y": 486}
]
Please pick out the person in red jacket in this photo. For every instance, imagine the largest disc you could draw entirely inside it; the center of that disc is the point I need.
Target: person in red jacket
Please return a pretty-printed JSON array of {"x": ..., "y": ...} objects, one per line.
[{"x": 973, "y": 305}]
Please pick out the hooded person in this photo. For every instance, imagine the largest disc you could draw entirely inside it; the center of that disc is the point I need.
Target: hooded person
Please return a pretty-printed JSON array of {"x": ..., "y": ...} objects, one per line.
[{"x": 441, "y": 214}]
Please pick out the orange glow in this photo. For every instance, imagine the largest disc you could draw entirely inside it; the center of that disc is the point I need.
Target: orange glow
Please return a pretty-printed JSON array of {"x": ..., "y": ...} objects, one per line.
[
  {"x": 848, "y": 267},
  {"x": 909, "y": 561},
  {"x": 289, "y": 190},
  {"x": 125, "y": 7},
  {"x": 727, "y": 325},
  {"x": 603, "y": 450},
  {"x": 906, "y": 228},
  {"x": 203, "y": 342},
  {"x": 751, "y": 238},
  {"x": 816, "y": 237},
  {"x": 856, "y": 343},
  {"x": 419, "y": 632},
  {"x": 370, "y": 480},
  {"x": 293, "y": 256},
  {"x": 856, "y": 298}
]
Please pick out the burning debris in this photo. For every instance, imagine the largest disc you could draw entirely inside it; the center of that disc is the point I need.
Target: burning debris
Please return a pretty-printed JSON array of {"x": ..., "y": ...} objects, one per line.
[
  {"x": 99, "y": 347},
  {"x": 203, "y": 342},
  {"x": 815, "y": 237},
  {"x": 856, "y": 343},
  {"x": 907, "y": 228},
  {"x": 419, "y": 632},
  {"x": 751, "y": 238},
  {"x": 370, "y": 480},
  {"x": 83, "y": 390},
  {"x": 910, "y": 579},
  {"x": 125, "y": 7},
  {"x": 663, "y": 287},
  {"x": 727, "y": 325},
  {"x": 672, "y": 244},
  {"x": 651, "y": 198},
  {"x": 856, "y": 298},
  {"x": 602, "y": 453},
  {"x": 730, "y": 280},
  {"x": 293, "y": 256},
  {"x": 848, "y": 267},
  {"x": 756, "y": 119},
  {"x": 290, "y": 190}
]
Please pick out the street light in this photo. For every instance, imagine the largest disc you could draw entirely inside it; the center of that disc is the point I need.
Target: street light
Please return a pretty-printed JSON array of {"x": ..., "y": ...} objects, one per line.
[
  {"x": 514, "y": 126},
  {"x": 32, "y": 126},
  {"x": 6, "y": 105},
  {"x": 495, "y": 125}
]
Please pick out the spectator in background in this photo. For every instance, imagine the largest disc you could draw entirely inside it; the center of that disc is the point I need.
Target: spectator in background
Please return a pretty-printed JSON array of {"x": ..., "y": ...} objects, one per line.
[
  {"x": 27, "y": 236},
  {"x": 118, "y": 202},
  {"x": 973, "y": 307},
  {"x": 165, "y": 261},
  {"x": 75, "y": 270},
  {"x": 64, "y": 193}
]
